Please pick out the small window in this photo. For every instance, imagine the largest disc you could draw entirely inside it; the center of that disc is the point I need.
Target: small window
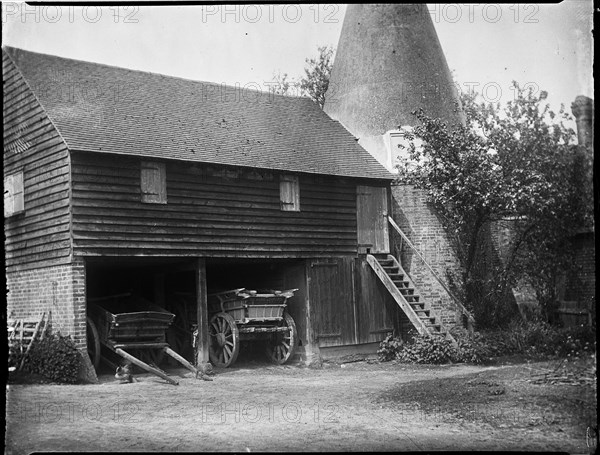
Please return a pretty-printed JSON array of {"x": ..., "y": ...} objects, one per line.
[
  {"x": 289, "y": 193},
  {"x": 153, "y": 183},
  {"x": 14, "y": 201}
]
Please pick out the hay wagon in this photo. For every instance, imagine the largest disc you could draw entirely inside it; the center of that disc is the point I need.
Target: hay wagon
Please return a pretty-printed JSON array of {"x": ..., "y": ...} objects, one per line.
[
  {"x": 239, "y": 315},
  {"x": 133, "y": 328}
]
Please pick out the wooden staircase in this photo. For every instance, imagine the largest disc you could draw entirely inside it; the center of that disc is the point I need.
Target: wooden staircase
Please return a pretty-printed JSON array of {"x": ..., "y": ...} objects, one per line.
[{"x": 404, "y": 292}]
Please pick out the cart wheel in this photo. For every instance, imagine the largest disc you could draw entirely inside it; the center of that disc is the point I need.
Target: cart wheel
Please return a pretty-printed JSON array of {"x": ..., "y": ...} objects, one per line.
[
  {"x": 224, "y": 345},
  {"x": 93, "y": 343},
  {"x": 281, "y": 345}
]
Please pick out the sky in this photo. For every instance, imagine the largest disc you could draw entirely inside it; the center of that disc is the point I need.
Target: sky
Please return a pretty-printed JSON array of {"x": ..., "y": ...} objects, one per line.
[{"x": 548, "y": 46}]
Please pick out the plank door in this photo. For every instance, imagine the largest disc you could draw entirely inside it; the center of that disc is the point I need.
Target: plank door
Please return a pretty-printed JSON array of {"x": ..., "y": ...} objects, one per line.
[
  {"x": 372, "y": 223},
  {"x": 376, "y": 309},
  {"x": 331, "y": 300}
]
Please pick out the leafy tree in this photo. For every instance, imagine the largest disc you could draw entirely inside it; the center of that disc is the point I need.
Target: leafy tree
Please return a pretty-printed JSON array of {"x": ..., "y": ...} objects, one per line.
[
  {"x": 517, "y": 165},
  {"x": 316, "y": 78},
  {"x": 315, "y": 81},
  {"x": 283, "y": 84}
]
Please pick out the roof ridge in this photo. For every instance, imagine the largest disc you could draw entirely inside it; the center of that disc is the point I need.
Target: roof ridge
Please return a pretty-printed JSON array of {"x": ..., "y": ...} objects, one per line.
[
  {"x": 106, "y": 65},
  {"x": 293, "y": 136}
]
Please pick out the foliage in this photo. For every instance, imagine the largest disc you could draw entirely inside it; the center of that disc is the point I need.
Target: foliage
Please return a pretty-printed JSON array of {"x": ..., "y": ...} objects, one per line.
[
  {"x": 421, "y": 349},
  {"x": 283, "y": 84},
  {"x": 55, "y": 357},
  {"x": 532, "y": 339},
  {"x": 517, "y": 165},
  {"x": 540, "y": 339},
  {"x": 315, "y": 81},
  {"x": 15, "y": 354},
  {"x": 389, "y": 348},
  {"x": 316, "y": 75}
]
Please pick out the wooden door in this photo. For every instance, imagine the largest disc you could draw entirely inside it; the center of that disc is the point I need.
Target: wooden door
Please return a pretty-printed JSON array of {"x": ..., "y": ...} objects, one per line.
[
  {"x": 376, "y": 309},
  {"x": 331, "y": 300},
  {"x": 372, "y": 223}
]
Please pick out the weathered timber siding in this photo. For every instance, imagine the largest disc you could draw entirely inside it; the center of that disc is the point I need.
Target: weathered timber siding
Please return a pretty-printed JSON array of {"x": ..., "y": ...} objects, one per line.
[
  {"x": 332, "y": 301},
  {"x": 377, "y": 312},
  {"x": 211, "y": 211},
  {"x": 40, "y": 236}
]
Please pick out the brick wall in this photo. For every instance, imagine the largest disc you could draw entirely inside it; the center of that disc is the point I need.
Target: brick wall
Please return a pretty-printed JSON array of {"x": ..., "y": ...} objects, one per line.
[
  {"x": 58, "y": 289},
  {"x": 418, "y": 221},
  {"x": 582, "y": 286}
]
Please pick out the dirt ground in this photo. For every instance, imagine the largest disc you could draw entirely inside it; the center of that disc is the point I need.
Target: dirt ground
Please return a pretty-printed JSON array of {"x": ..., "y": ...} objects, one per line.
[{"x": 254, "y": 406}]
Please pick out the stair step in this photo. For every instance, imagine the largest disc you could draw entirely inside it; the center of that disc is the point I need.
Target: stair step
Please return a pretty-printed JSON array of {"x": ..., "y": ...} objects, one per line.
[
  {"x": 407, "y": 291},
  {"x": 391, "y": 269},
  {"x": 436, "y": 327},
  {"x": 419, "y": 308},
  {"x": 412, "y": 298},
  {"x": 397, "y": 277},
  {"x": 430, "y": 319},
  {"x": 400, "y": 284},
  {"x": 385, "y": 262}
]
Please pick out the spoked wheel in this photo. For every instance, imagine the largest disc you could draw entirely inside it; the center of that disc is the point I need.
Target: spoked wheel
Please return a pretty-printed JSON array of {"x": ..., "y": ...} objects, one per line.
[
  {"x": 93, "y": 343},
  {"x": 281, "y": 345},
  {"x": 224, "y": 340}
]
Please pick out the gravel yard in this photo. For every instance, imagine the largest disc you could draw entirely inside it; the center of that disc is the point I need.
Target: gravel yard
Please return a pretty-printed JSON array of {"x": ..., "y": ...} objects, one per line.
[{"x": 350, "y": 406}]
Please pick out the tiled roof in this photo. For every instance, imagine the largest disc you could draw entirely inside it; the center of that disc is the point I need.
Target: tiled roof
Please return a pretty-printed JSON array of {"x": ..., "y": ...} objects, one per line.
[{"x": 110, "y": 109}]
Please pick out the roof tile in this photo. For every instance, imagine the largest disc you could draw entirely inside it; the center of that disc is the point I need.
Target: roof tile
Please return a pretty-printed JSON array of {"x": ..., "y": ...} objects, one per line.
[{"x": 104, "y": 108}]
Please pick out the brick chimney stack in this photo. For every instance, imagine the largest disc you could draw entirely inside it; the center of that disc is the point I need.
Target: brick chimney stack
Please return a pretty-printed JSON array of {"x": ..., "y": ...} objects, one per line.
[{"x": 583, "y": 110}]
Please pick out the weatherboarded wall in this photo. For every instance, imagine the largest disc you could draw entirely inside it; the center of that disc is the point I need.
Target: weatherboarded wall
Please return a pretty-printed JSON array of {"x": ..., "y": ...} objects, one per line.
[
  {"x": 211, "y": 211},
  {"x": 39, "y": 236}
]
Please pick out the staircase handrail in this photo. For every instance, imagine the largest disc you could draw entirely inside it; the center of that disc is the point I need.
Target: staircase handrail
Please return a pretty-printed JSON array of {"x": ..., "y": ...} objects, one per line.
[{"x": 457, "y": 302}]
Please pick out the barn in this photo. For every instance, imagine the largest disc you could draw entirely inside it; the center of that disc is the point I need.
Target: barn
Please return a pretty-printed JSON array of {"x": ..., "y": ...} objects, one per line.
[{"x": 120, "y": 181}]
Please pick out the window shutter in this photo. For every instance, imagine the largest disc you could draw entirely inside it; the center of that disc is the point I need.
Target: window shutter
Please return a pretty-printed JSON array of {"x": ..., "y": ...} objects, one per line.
[
  {"x": 19, "y": 199},
  {"x": 289, "y": 193},
  {"x": 14, "y": 201},
  {"x": 153, "y": 182}
]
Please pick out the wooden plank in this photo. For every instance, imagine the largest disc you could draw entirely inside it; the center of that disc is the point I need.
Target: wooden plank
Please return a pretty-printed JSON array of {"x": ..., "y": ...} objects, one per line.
[
  {"x": 180, "y": 233},
  {"x": 202, "y": 340},
  {"x": 181, "y": 360},
  {"x": 371, "y": 213},
  {"x": 376, "y": 309},
  {"x": 398, "y": 297},
  {"x": 331, "y": 295},
  {"x": 145, "y": 366},
  {"x": 37, "y": 328}
]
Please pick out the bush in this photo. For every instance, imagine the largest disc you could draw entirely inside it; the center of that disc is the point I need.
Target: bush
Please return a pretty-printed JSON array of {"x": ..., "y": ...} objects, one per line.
[
  {"x": 389, "y": 348},
  {"x": 14, "y": 354},
  {"x": 422, "y": 349},
  {"x": 56, "y": 358},
  {"x": 532, "y": 339}
]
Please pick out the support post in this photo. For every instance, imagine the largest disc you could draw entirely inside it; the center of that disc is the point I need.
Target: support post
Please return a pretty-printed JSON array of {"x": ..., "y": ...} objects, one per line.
[{"x": 202, "y": 359}]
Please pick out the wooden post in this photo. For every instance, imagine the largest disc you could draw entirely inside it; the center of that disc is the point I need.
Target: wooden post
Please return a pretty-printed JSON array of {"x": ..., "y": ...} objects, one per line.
[
  {"x": 158, "y": 280},
  {"x": 202, "y": 360},
  {"x": 145, "y": 366}
]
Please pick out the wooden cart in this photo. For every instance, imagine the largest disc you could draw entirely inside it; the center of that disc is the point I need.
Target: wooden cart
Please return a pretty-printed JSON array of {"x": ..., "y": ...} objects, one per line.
[
  {"x": 240, "y": 314},
  {"x": 134, "y": 329}
]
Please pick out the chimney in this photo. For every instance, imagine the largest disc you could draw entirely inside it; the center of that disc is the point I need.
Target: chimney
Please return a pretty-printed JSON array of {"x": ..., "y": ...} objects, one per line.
[{"x": 583, "y": 110}]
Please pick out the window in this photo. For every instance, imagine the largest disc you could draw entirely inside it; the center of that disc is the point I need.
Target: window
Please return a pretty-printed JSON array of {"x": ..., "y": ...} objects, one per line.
[
  {"x": 13, "y": 194},
  {"x": 153, "y": 180},
  {"x": 289, "y": 193}
]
